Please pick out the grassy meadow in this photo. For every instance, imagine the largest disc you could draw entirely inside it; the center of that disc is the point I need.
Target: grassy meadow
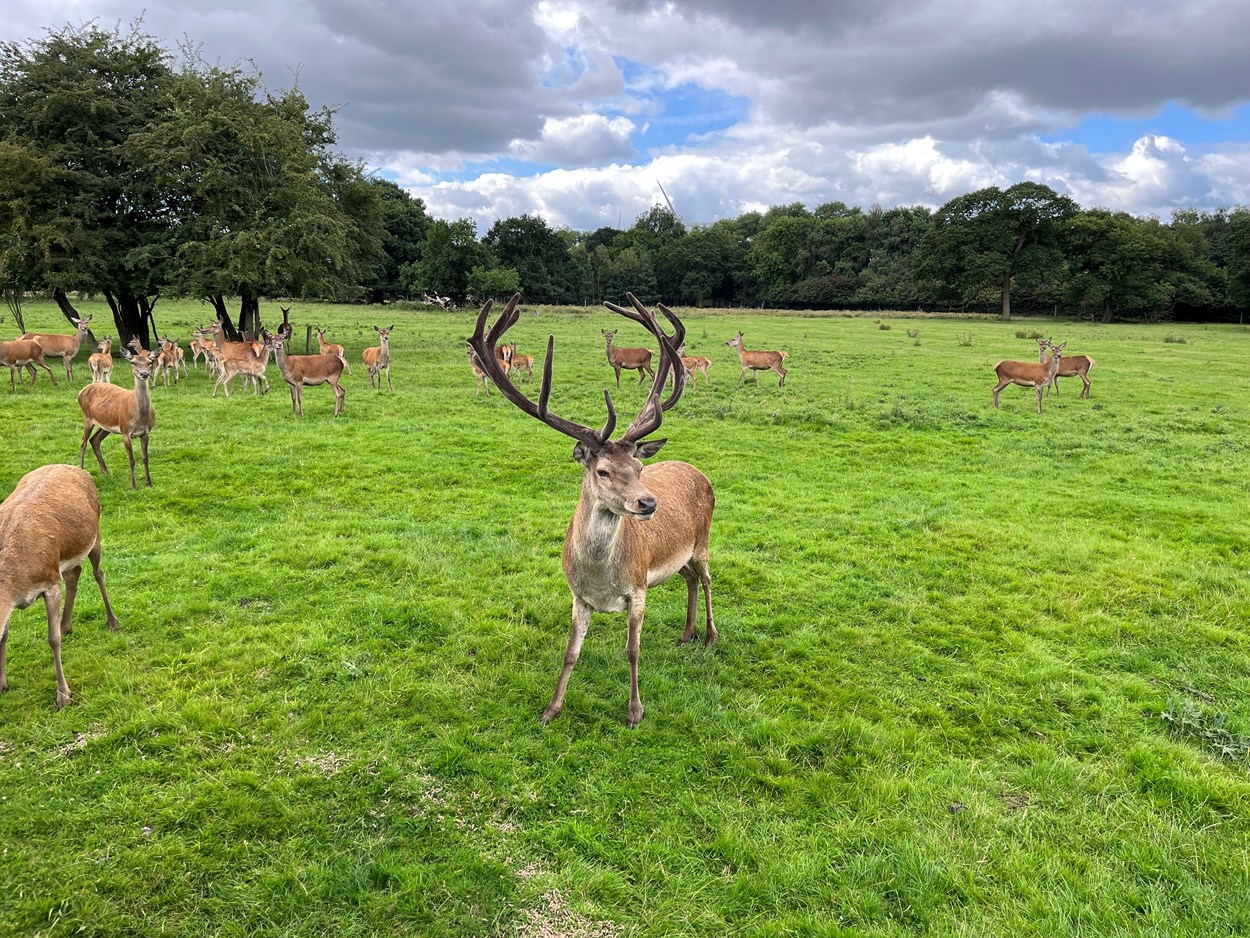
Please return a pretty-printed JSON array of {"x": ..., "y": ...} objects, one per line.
[{"x": 979, "y": 673}]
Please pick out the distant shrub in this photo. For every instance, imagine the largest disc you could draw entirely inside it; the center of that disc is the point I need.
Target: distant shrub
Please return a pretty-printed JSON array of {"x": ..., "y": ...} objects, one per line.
[
  {"x": 1028, "y": 334},
  {"x": 966, "y": 339},
  {"x": 1171, "y": 339},
  {"x": 913, "y": 333},
  {"x": 884, "y": 327}
]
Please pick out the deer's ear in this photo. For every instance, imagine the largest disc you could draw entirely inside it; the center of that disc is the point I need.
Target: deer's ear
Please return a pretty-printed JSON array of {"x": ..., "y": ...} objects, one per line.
[
  {"x": 583, "y": 453},
  {"x": 649, "y": 448}
]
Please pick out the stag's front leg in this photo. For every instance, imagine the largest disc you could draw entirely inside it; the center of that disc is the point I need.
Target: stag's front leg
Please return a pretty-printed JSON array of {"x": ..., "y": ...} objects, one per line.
[
  {"x": 581, "y": 622},
  {"x": 633, "y": 648}
]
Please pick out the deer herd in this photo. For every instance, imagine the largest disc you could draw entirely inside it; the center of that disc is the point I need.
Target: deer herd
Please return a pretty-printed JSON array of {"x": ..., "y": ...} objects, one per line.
[{"x": 633, "y": 527}]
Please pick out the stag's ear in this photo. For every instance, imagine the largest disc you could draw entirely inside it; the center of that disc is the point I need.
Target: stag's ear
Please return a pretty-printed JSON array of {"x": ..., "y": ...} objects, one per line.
[
  {"x": 649, "y": 448},
  {"x": 583, "y": 453}
]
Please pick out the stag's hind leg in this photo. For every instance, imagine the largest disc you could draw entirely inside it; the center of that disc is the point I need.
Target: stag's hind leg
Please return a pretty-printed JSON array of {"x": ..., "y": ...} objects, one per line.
[
  {"x": 52, "y": 604},
  {"x": 692, "y": 604},
  {"x": 96, "y": 569}
]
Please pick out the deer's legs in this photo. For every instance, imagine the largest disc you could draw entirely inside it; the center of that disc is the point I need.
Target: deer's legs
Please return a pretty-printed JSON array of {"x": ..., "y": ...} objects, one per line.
[
  {"x": 96, "y": 437},
  {"x": 147, "y": 472},
  {"x": 71, "y": 593},
  {"x": 130, "y": 454},
  {"x": 1085, "y": 390},
  {"x": 1039, "y": 398},
  {"x": 99, "y": 580},
  {"x": 700, "y": 565},
  {"x": 52, "y": 603},
  {"x": 4, "y": 640},
  {"x": 999, "y": 387},
  {"x": 692, "y": 604},
  {"x": 633, "y": 648},
  {"x": 577, "y": 635},
  {"x": 388, "y": 380}
]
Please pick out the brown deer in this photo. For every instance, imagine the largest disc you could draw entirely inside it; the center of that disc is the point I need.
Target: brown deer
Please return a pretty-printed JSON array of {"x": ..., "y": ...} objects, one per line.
[
  {"x": 302, "y": 371},
  {"x": 17, "y": 354},
  {"x": 66, "y": 346},
  {"x": 631, "y": 359},
  {"x": 49, "y": 525},
  {"x": 634, "y": 526},
  {"x": 329, "y": 348},
  {"x": 203, "y": 343},
  {"x": 759, "y": 361},
  {"x": 1072, "y": 365},
  {"x": 695, "y": 365},
  {"x": 107, "y": 409},
  {"x": 480, "y": 377},
  {"x": 523, "y": 363},
  {"x": 101, "y": 363},
  {"x": 503, "y": 355},
  {"x": 249, "y": 359},
  {"x": 167, "y": 359},
  {"x": 1036, "y": 375},
  {"x": 378, "y": 358}
]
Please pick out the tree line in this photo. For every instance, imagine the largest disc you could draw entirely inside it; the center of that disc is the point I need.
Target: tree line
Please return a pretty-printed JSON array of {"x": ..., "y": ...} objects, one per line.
[{"x": 131, "y": 173}]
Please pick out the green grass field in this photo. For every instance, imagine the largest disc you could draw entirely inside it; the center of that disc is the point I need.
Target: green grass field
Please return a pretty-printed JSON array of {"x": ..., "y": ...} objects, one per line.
[{"x": 980, "y": 672}]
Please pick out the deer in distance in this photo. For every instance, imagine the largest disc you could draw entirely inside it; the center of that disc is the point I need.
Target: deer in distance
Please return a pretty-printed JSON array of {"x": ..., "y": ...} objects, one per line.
[
  {"x": 302, "y": 371},
  {"x": 378, "y": 358},
  {"x": 1071, "y": 366},
  {"x": 66, "y": 346},
  {"x": 634, "y": 526},
  {"x": 246, "y": 358},
  {"x": 631, "y": 359},
  {"x": 759, "y": 361},
  {"x": 479, "y": 374},
  {"x": 1036, "y": 375},
  {"x": 101, "y": 363},
  {"x": 107, "y": 409},
  {"x": 328, "y": 348},
  {"x": 49, "y": 525},
  {"x": 523, "y": 363},
  {"x": 695, "y": 365}
]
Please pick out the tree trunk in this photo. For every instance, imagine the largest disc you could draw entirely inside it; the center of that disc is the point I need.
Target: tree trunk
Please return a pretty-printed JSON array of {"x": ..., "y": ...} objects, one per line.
[
  {"x": 249, "y": 314},
  {"x": 132, "y": 315},
  {"x": 1106, "y": 310},
  {"x": 13, "y": 299},
  {"x": 1005, "y": 313},
  {"x": 68, "y": 311},
  {"x": 222, "y": 315}
]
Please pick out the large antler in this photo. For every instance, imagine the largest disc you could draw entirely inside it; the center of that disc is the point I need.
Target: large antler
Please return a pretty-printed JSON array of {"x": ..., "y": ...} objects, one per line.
[{"x": 652, "y": 413}]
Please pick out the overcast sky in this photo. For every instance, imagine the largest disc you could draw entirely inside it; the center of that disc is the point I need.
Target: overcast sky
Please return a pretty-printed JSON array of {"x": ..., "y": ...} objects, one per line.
[{"x": 579, "y": 111}]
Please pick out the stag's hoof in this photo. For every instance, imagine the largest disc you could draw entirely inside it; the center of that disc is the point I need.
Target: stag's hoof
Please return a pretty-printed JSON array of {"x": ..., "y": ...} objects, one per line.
[
  {"x": 550, "y": 714},
  {"x": 62, "y": 700},
  {"x": 635, "y": 716},
  {"x": 711, "y": 637},
  {"x": 688, "y": 636}
]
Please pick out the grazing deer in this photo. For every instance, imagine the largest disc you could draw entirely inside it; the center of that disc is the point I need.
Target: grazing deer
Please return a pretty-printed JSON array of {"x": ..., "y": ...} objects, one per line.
[
  {"x": 631, "y": 359},
  {"x": 634, "y": 526},
  {"x": 378, "y": 358},
  {"x": 328, "y": 348},
  {"x": 523, "y": 363},
  {"x": 1072, "y": 365},
  {"x": 17, "y": 354},
  {"x": 1034, "y": 375},
  {"x": 66, "y": 346},
  {"x": 695, "y": 365},
  {"x": 101, "y": 363},
  {"x": 309, "y": 370},
  {"x": 107, "y": 409},
  {"x": 49, "y": 525},
  {"x": 480, "y": 377},
  {"x": 759, "y": 361}
]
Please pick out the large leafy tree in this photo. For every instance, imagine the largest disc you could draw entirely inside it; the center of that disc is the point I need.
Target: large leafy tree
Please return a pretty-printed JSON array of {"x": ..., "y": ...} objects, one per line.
[
  {"x": 987, "y": 238},
  {"x": 1114, "y": 263},
  {"x": 80, "y": 209},
  {"x": 539, "y": 255},
  {"x": 450, "y": 252},
  {"x": 405, "y": 224}
]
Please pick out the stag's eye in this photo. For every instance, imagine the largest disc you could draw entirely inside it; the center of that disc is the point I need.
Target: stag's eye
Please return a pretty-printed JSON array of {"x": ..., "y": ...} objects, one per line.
[{"x": 603, "y": 473}]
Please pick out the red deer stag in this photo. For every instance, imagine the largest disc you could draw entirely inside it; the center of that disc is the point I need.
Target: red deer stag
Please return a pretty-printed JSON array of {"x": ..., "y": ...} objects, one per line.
[
  {"x": 1071, "y": 366},
  {"x": 758, "y": 361},
  {"x": 328, "y": 348},
  {"x": 48, "y": 527},
  {"x": 378, "y": 358},
  {"x": 302, "y": 371},
  {"x": 1034, "y": 375},
  {"x": 634, "y": 526},
  {"x": 107, "y": 409},
  {"x": 101, "y": 363},
  {"x": 631, "y": 359},
  {"x": 66, "y": 346}
]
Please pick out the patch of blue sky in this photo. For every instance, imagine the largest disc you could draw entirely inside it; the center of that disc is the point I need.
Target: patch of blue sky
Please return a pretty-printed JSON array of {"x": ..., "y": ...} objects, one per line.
[
  {"x": 672, "y": 116},
  {"x": 1101, "y": 134}
]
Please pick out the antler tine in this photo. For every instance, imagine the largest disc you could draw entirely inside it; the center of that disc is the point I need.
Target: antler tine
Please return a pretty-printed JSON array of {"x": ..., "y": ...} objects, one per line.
[
  {"x": 483, "y": 344},
  {"x": 652, "y": 413},
  {"x": 679, "y": 372}
]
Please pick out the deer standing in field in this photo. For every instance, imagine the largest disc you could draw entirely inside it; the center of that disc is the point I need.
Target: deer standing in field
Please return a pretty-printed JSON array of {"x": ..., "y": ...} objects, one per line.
[
  {"x": 17, "y": 354},
  {"x": 202, "y": 343},
  {"x": 1072, "y": 365},
  {"x": 246, "y": 358},
  {"x": 378, "y": 358},
  {"x": 523, "y": 363},
  {"x": 479, "y": 374},
  {"x": 1036, "y": 375},
  {"x": 631, "y": 359},
  {"x": 695, "y": 365},
  {"x": 759, "y": 361},
  {"x": 101, "y": 363},
  {"x": 107, "y": 409},
  {"x": 329, "y": 348},
  {"x": 167, "y": 359},
  {"x": 49, "y": 525},
  {"x": 302, "y": 371},
  {"x": 634, "y": 526},
  {"x": 66, "y": 346}
]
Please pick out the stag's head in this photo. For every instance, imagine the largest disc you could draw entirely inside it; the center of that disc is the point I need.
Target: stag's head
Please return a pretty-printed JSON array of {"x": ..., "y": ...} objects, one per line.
[
  {"x": 612, "y": 467},
  {"x": 82, "y": 325}
]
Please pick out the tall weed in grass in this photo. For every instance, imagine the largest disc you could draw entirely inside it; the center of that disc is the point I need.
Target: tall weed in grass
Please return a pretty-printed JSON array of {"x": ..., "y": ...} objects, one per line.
[{"x": 948, "y": 634}]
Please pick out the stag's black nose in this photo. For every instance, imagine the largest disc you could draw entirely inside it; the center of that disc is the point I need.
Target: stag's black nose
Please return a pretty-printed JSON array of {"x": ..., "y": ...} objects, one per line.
[{"x": 646, "y": 505}]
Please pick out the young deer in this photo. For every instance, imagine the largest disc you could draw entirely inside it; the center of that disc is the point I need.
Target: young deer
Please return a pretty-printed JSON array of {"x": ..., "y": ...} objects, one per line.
[
  {"x": 17, "y": 354},
  {"x": 328, "y": 348},
  {"x": 309, "y": 370},
  {"x": 66, "y": 346},
  {"x": 1036, "y": 375},
  {"x": 101, "y": 363},
  {"x": 49, "y": 525},
  {"x": 378, "y": 358},
  {"x": 695, "y": 365},
  {"x": 480, "y": 377},
  {"x": 758, "y": 361},
  {"x": 634, "y": 526},
  {"x": 202, "y": 343},
  {"x": 167, "y": 359},
  {"x": 631, "y": 359},
  {"x": 523, "y": 363},
  {"x": 249, "y": 359},
  {"x": 1072, "y": 365},
  {"x": 110, "y": 409}
]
